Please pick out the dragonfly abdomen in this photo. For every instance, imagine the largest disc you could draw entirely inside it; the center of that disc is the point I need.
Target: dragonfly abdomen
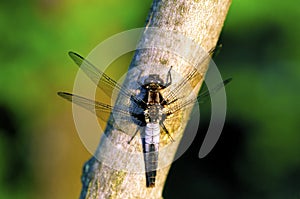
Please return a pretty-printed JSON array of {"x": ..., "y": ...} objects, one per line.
[{"x": 150, "y": 149}]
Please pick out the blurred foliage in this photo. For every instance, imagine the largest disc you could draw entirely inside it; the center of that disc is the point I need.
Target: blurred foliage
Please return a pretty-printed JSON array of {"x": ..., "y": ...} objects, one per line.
[{"x": 258, "y": 153}]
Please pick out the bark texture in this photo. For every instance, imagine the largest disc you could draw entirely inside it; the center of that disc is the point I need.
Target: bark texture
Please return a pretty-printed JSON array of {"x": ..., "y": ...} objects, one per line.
[{"x": 199, "y": 20}]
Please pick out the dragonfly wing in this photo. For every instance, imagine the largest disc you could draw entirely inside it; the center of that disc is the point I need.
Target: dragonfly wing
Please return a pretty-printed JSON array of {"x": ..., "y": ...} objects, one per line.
[
  {"x": 174, "y": 94},
  {"x": 102, "y": 80},
  {"x": 202, "y": 97},
  {"x": 100, "y": 109}
]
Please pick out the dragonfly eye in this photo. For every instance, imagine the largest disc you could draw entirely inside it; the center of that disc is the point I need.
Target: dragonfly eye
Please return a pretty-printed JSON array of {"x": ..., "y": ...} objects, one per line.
[{"x": 153, "y": 79}]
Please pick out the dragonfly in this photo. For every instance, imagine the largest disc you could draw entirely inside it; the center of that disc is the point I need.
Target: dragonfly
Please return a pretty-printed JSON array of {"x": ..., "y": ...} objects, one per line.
[{"x": 148, "y": 110}]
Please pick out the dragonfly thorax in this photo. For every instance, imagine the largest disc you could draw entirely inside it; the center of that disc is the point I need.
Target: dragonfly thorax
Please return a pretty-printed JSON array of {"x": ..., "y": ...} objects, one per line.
[
  {"x": 153, "y": 113},
  {"x": 153, "y": 97}
]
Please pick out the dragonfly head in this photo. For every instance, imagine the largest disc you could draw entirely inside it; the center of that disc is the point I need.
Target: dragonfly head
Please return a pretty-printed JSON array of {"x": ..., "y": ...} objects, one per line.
[{"x": 154, "y": 82}]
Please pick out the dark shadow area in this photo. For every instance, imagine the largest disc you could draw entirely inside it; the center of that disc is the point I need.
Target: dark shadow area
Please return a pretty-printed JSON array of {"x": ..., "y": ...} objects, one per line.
[
  {"x": 14, "y": 160},
  {"x": 258, "y": 47},
  {"x": 213, "y": 176}
]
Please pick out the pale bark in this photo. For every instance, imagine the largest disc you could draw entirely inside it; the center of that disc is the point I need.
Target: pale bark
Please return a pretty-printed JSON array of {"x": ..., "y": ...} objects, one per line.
[{"x": 199, "y": 20}]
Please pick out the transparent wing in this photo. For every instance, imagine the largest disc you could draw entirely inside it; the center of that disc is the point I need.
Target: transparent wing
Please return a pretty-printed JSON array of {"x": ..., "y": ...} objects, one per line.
[
  {"x": 204, "y": 95},
  {"x": 102, "y": 80},
  {"x": 200, "y": 98},
  {"x": 100, "y": 109},
  {"x": 175, "y": 93}
]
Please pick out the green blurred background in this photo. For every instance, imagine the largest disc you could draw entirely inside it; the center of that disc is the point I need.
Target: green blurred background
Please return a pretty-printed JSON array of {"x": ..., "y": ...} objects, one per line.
[{"x": 258, "y": 154}]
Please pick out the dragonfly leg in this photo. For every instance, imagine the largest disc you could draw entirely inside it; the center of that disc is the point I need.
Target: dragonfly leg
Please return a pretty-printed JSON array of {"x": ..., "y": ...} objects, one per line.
[
  {"x": 139, "y": 78},
  {"x": 169, "y": 78},
  {"x": 137, "y": 129},
  {"x": 167, "y": 132}
]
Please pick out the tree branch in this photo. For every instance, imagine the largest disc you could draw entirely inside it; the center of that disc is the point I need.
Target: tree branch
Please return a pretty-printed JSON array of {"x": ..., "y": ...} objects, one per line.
[{"x": 199, "y": 20}]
